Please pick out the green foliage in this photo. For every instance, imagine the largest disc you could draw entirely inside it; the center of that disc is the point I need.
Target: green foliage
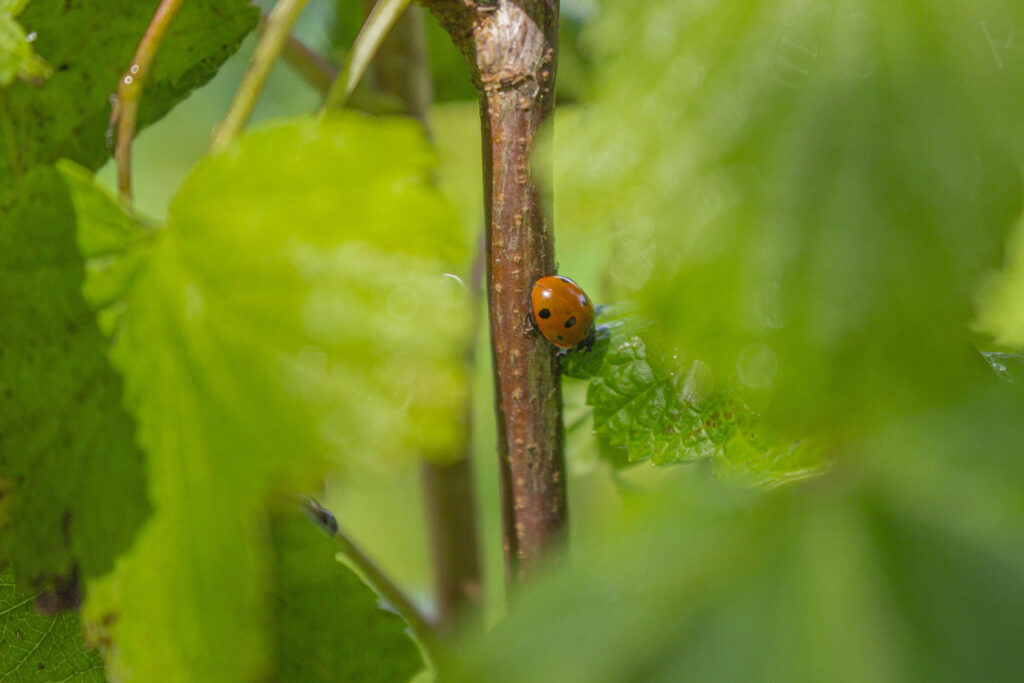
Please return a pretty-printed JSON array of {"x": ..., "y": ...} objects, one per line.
[
  {"x": 663, "y": 414},
  {"x": 804, "y": 196},
  {"x": 67, "y": 453},
  {"x": 75, "y": 479},
  {"x": 328, "y": 624},
  {"x": 259, "y": 341},
  {"x": 89, "y": 46},
  {"x": 36, "y": 647},
  {"x": 17, "y": 60},
  {"x": 669, "y": 411},
  {"x": 857, "y": 576},
  {"x": 1001, "y": 306},
  {"x": 809, "y": 191}
]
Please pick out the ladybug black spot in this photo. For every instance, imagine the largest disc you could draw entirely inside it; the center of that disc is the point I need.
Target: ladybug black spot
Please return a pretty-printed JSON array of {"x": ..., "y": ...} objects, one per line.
[
  {"x": 544, "y": 313},
  {"x": 560, "y": 338},
  {"x": 570, "y": 322}
]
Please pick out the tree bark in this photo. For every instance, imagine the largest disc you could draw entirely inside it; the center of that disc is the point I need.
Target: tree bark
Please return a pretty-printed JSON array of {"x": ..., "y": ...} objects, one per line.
[{"x": 512, "y": 46}]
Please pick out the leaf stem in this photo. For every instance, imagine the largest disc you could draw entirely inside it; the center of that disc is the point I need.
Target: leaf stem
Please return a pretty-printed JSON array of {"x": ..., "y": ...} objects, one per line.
[
  {"x": 361, "y": 563},
  {"x": 272, "y": 41},
  {"x": 124, "y": 112},
  {"x": 376, "y": 27}
]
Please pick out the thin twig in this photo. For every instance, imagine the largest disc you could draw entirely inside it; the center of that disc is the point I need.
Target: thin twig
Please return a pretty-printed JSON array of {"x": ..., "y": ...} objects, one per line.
[
  {"x": 376, "y": 27},
  {"x": 124, "y": 112},
  {"x": 276, "y": 34}
]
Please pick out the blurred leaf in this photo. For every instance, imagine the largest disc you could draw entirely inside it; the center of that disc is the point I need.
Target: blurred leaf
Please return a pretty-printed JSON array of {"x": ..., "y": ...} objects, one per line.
[
  {"x": 89, "y": 46},
  {"x": 847, "y": 578},
  {"x": 1001, "y": 298},
  {"x": 292, "y": 310},
  {"x": 807, "y": 193},
  {"x": 328, "y": 624},
  {"x": 757, "y": 455},
  {"x": 67, "y": 449},
  {"x": 17, "y": 59},
  {"x": 35, "y": 647}
]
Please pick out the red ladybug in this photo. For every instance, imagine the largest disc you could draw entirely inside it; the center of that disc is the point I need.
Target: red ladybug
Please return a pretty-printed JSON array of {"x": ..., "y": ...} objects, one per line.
[{"x": 562, "y": 311}]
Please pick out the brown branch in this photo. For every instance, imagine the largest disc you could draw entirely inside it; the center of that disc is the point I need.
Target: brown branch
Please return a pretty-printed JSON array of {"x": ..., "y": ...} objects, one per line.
[
  {"x": 124, "y": 111},
  {"x": 512, "y": 46}
]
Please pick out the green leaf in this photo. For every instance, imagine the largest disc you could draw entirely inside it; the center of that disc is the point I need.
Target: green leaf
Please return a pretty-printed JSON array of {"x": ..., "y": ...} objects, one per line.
[
  {"x": 1001, "y": 298},
  {"x": 35, "y": 647},
  {"x": 668, "y": 411},
  {"x": 663, "y": 414},
  {"x": 328, "y": 624},
  {"x": 912, "y": 572},
  {"x": 293, "y": 312},
  {"x": 67, "y": 451},
  {"x": 17, "y": 59},
  {"x": 806, "y": 194},
  {"x": 90, "y": 45}
]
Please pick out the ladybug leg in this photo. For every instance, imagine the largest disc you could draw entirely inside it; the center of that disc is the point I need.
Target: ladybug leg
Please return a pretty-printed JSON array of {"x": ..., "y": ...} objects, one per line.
[
  {"x": 588, "y": 342},
  {"x": 531, "y": 323}
]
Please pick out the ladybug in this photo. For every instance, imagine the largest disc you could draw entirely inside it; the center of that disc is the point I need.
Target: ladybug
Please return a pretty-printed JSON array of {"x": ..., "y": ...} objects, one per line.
[{"x": 562, "y": 311}]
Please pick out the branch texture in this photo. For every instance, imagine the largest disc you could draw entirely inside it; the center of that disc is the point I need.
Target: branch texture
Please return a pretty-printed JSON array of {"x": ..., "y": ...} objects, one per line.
[{"x": 512, "y": 47}]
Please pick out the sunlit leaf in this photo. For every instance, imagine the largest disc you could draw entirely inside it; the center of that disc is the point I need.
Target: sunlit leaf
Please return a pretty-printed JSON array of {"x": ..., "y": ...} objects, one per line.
[{"x": 293, "y": 312}]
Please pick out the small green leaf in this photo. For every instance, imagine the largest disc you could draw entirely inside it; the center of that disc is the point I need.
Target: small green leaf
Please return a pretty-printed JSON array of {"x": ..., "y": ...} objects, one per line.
[
  {"x": 327, "y": 623},
  {"x": 35, "y": 647},
  {"x": 293, "y": 312},
  {"x": 667, "y": 411},
  {"x": 665, "y": 415},
  {"x": 67, "y": 449}
]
